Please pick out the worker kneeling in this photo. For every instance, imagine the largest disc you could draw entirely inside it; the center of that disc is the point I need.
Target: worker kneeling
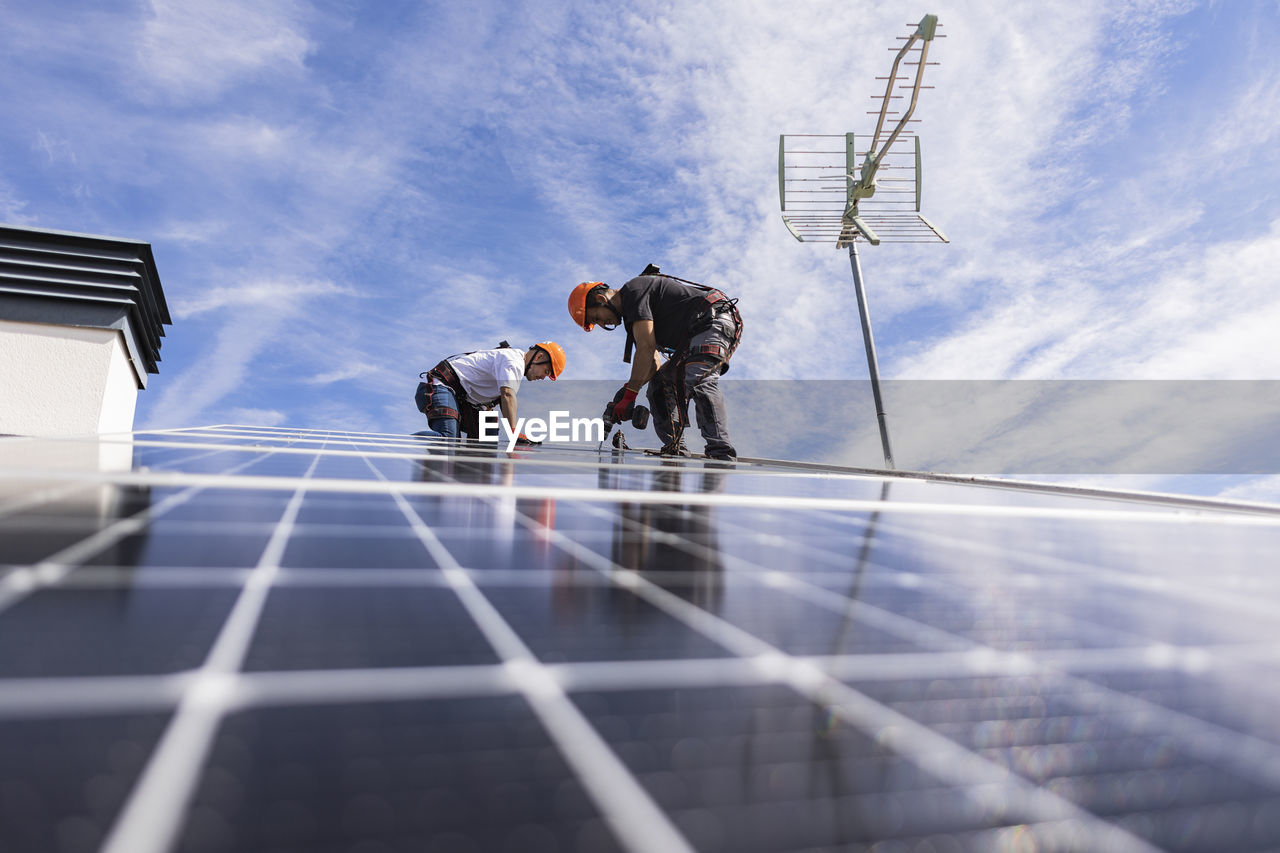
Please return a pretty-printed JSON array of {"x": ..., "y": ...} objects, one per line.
[
  {"x": 452, "y": 393},
  {"x": 697, "y": 327}
]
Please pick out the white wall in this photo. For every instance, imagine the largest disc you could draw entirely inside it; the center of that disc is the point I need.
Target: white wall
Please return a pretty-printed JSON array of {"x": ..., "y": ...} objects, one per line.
[{"x": 64, "y": 380}]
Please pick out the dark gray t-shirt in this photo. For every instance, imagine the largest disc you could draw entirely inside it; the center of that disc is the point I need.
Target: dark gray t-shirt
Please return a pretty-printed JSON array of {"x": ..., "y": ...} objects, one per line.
[{"x": 668, "y": 303}]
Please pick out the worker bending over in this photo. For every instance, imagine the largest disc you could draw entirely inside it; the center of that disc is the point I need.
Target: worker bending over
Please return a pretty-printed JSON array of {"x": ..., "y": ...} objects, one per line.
[
  {"x": 696, "y": 327},
  {"x": 453, "y": 392}
]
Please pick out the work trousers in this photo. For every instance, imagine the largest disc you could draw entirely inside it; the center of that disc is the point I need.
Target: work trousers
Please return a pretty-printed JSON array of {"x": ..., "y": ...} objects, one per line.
[{"x": 695, "y": 375}]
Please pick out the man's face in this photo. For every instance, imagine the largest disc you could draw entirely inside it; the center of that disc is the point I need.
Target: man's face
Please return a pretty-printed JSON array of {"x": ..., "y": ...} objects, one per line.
[
  {"x": 600, "y": 315},
  {"x": 539, "y": 366}
]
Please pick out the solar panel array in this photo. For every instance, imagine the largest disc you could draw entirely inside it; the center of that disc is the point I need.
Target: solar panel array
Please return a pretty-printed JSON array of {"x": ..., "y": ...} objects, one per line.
[{"x": 250, "y": 639}]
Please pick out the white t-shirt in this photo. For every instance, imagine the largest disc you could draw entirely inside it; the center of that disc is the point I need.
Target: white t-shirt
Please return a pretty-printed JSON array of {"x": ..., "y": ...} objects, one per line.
[{"x": 484, "y": 373}]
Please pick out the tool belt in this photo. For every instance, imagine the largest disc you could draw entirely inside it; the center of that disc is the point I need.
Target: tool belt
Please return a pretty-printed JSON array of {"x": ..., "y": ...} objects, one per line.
[
  {"x": 466, "y": 414},
  {"x": 715, "y": 305}
]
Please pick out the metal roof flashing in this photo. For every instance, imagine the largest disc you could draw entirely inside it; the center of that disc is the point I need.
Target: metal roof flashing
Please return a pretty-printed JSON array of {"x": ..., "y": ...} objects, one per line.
[{"x": 68, "y": 279}]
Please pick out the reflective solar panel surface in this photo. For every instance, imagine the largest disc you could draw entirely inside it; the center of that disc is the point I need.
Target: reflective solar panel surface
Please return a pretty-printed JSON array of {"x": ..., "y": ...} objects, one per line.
[{"x": 250, "y": 639}]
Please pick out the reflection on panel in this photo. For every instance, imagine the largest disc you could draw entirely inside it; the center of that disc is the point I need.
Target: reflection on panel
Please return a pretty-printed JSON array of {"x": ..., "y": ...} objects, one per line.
[{"x": 309, "y": 640}]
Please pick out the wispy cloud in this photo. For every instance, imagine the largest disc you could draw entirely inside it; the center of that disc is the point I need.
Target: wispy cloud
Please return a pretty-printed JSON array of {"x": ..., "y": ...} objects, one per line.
[
  {"x": 353, "y": 371},
  {"x": 194, "y": 51},
  {"x": 11, "y": 206},
  {"x": 278, "y": 297},
  {"x": 410, "y": 182},
  {"x": 256, "y": 417}
]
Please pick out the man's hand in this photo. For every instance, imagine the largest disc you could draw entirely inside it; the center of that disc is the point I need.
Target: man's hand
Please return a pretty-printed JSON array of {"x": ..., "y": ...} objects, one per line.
[{"x": 622, "y": 403}]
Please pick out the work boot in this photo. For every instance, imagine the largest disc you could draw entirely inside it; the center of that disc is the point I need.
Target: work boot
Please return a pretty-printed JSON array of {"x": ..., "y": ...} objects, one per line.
[
  {"x": 674, "y": 449},
  {"x": 724, "y": 454}
]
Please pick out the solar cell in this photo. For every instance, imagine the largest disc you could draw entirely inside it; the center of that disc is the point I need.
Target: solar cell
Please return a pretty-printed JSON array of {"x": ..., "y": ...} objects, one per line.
[{"x": 246, "y": 638}]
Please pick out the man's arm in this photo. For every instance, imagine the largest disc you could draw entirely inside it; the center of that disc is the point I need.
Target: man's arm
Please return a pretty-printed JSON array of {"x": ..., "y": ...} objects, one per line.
[
  {"x": 507, "y": 403},
  {"x": 645, "y": 363}
]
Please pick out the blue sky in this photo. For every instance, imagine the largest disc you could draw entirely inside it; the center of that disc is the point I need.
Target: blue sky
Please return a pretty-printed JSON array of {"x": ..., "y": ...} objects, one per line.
[{"x": 340, "y": 193}]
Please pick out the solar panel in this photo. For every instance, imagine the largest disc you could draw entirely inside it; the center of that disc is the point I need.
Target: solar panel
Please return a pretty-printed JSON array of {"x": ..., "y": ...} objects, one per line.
[{"x": 254, "y": 639}]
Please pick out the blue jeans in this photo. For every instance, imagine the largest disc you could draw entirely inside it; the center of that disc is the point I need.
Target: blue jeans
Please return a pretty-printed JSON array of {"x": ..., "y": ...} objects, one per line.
[{"x": 436, "y": 395}]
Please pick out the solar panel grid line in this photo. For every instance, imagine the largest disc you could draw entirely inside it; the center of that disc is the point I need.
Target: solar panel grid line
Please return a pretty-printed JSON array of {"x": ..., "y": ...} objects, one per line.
[
  {"x": 26, "y": 580},
  {"x": 293, "y": 577},
  {"x": 295, "y": 450},
  {"x": 101, "y": 694},
  {"x": 115, "y": 577},
  {"x": 1160, "y": 656},
  {"x": 1244, "y": 755},
  {"x": 23, "y": 502},
  {"x": 907, "y": 628},
  {"x": 1241, "y": 602},
  {"x": 890, "y": 621},
  {"x": 175, "y": 430},
  {"x": 1127, "y": 697},
  {"x": 638, "y": 822},
  {"x": 940, "y": 756},
  {"x": 195, "y": 456},
  {"x": 331, "y": 686},
  {"x": 23, "y": 581},
  {"x": 290, "y": 432},
  {"x": 1236, "y": 750},
  {"x": 153, "y": 813},
  {"x": 1172, "y": 516},
  {"x": 885, "y": 620},
  {"x": 976, "y": 775},
  {"x": 826, "y": 471},
  {"x": 731, "y": 637},
  {"x": 21, "y": 697},
  {"x": 869, "y": 614},
  {"x": 819, "y": 472}
]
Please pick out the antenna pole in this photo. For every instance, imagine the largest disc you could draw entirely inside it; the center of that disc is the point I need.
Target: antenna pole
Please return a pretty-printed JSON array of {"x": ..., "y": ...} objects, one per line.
[{"x": 870, "y": 342}]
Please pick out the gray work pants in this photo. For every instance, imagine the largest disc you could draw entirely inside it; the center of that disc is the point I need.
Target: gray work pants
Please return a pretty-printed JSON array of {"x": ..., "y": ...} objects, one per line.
[{"x": 699, "y": 372}]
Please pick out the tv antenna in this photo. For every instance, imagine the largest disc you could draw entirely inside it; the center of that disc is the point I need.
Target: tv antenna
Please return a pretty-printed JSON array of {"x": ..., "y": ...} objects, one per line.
[{"x": 867, "y": 189}]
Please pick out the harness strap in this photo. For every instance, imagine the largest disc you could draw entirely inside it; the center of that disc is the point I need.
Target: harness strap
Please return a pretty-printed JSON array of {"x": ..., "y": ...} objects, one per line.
[
  {"x": 448, "y": 376},
  {"x": 712, "y": 298}
]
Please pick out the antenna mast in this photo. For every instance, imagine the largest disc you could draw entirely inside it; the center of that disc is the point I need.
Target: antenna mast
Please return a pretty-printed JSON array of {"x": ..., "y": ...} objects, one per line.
[{"x": 828, "y": 199}]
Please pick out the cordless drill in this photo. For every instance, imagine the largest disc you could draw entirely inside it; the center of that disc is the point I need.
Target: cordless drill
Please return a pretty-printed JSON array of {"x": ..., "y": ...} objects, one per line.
[{"x": 636, "y": 414}]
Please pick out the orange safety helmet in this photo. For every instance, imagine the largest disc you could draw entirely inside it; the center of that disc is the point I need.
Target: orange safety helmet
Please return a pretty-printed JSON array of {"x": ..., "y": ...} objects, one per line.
[
  {"x": 554, "y": 352},
  {"x": 578, "y": 303}
]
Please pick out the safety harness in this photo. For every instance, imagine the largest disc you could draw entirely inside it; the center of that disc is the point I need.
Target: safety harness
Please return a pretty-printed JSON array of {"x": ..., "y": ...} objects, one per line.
[
  {"x": 714, "y": 304},
  {"x": 446, "y": 375}
]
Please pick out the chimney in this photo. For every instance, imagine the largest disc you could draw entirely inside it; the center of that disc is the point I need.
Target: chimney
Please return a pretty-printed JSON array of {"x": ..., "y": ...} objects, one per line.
[{"x": 81, "y": 318}]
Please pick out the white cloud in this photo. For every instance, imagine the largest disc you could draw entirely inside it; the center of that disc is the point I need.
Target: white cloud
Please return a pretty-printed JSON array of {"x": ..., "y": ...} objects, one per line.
[
  {"x": 194, "y": 51},
  {"x": 699, "y": 92},
  {"x": 353, "y": 371},
  {"x": 220, "y": 369},
  {"x": 1259, "y": 489},
  {"x": 483, "y": 159},
  {"x": 263, "y": 315},
  {"x": 281, "y": 297},
  {"x": 55, "y": 149},
  {"x": 12, "y": 207},
  {"x": 256, "y": 417}
]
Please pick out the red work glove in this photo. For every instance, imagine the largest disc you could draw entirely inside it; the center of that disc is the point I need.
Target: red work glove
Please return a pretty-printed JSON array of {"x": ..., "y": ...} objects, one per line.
[{"x": 624, "y": 403}]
